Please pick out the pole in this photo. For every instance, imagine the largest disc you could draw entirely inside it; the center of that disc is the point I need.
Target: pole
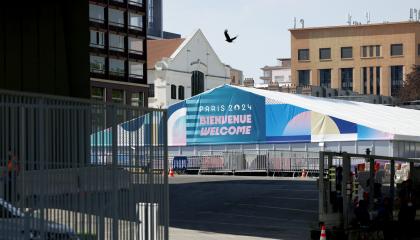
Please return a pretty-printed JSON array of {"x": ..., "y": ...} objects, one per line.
[
  {"x": 321, "y": 186},
  {"x": 345, "y": 191}
]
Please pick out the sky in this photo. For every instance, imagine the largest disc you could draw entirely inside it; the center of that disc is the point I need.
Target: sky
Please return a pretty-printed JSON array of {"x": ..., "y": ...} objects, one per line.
[{"x": 262, "y": 25}]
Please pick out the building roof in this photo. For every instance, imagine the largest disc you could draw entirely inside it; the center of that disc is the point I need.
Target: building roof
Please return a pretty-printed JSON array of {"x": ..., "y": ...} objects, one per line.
[
  {"x": 401, "y": 122},
  {"x": 158, "y": 49},
  {"x": 354, "y": 26}
]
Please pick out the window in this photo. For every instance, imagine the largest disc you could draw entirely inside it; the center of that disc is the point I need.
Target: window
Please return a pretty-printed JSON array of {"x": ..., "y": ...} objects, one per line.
[
  {"x": 151, "y": 90},
  {"x": 136, "y": 2},
  {"x": 396, "y": 79},
  {"x": 346, "y": 52},
  {"x": 397, "y": 50},
  {"x": 150, "y": 13},
  {"x": 378, "y": 80},
  {"x": 371, "y": 80},
  {"x": 325, "y": 53},
  {"x": 347, "y": 78},
  {"x": 418, "y": 49},
  {"x": 267, "y": 73},
  {"x": 325, "y": 78},
  {"x": 116, "y": 42},
  {"x": 173, "y": 91},
  {"x": 97, "y": 39},
  {"x": 371, "y": 51},
  {"x": 364, "y": 78},
  {"x": 96, "y": 13},
  {"x": 303, "y": 54},
  {"x": 303, "y": 76},
  {"x": 197, "y": 83},
  {"x": 181, "y": 95},
  {"x": 97, "y": 64},
  {"x": 116, "y": 67},
  {"x": 279, "y": 79},
  {"x": 116, "y": 17},
  {"x": 117, "y": 96},
  {"x": 136, "y": 21},
  {"x": 135, "y": 45},
  {"x": 136, "y": 69},
  {"x": 98, "y": 93},
  {"x": 137, "y": 99}
]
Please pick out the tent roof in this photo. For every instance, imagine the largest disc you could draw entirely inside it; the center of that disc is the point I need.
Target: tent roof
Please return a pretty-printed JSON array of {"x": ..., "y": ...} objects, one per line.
[{"x": 395, "y": 120}]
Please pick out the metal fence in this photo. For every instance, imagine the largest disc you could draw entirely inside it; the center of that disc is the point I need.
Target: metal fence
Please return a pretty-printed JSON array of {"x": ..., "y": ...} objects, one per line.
[
  {"x": 270, "y": 161},
  {"x": 79, "y": 169}
]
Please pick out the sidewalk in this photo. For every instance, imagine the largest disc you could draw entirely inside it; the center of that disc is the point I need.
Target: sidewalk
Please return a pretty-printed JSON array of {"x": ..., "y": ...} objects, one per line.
[{"x": 182, "y": 234}]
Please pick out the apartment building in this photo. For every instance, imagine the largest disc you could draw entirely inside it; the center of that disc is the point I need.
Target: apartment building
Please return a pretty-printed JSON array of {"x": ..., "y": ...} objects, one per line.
[
  {"x": 370, "y": 59},
  {"x": 118, "y": 30},
  {"x": 279, "y": 74}
]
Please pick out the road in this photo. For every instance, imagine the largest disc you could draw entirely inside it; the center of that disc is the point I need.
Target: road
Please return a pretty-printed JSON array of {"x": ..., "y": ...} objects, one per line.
[{"x": 235, "y": 207}]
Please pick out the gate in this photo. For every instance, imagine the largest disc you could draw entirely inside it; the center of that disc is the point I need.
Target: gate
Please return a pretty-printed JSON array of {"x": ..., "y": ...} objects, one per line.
[{"x": 80, "y": 169}]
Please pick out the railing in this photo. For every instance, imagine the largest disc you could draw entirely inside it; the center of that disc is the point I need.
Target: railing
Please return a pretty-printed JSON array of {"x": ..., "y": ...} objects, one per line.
[
  {"x": 269, "y": 161},
  {"x": 69, "y": 170}
]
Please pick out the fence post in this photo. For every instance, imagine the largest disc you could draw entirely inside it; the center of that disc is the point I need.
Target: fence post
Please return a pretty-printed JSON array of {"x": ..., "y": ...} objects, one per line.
[
  {"x": 392, "y": 182},
  {"x": 114, "y": 173},
  {"x": 346, "y": 188},
  {"x": 166, "y": 199},
  {"x": 321, "y": 186}
]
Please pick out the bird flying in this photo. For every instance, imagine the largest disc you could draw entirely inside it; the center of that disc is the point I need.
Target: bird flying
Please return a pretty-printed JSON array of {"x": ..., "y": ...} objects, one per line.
[{"x": 228, "y": 38}]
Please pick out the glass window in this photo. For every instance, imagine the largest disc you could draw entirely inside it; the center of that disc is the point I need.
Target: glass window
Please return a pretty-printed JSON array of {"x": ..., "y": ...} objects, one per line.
[
  {"x": 97, "y": 64},
  {"x": 396, "y": 79},
  {"x": 279, "y": 79},
  {"x": 371, "y": 51},
  {"x": 418, "y": 50},
  {"x": 116, "y": 67},
  {"x": 96, "y": 13},
  {"x": 364, "y": 51},
  {"x": 98, "y": 93},
  {"x": 151, "y": 90},
  {"x": 117, "y": 96},
  {"x": 325, "y": 53},
  {"x": 303, "y": 76},
  {"x": 97, "y": 39},
  {"x": 378, "y": 80},
  {"x": 378, "y": 50},
  {"x": 371, "y": 80},
  {"x": 346, "y": 52},
  {"x": 364, "y": 77},
  {"x": 347, "y": 78},
  {"x": 135, "y": 45},
  {"x": 173, "y": 91},
  {"x": 396, "y": 49},
  {"x": 325, "y": 77},
  {"x": 136, "y": 69},
  {"x": 303, "y": 54},
  {"x": 116, "y": 42},
  {"x": 137, "y": 99},
  {"x": 116, "y": 17},
  {"x": 136, "y": 21},
  {"x": 150, "y": 13},
  {"x": 136, "y": 2},
  {"x": 197, "y": 83},
  {"x": 181, "y": 93}
]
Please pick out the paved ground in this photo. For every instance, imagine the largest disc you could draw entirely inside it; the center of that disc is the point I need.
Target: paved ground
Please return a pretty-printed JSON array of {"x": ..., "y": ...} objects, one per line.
[{"x": 235, "y": 207}]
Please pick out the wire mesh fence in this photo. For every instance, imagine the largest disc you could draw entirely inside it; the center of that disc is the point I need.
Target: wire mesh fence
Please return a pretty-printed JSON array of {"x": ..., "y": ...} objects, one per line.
[{"x": 78, "y": 169}]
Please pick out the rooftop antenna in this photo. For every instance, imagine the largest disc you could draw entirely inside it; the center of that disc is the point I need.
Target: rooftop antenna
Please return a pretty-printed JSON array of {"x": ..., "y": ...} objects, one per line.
[
  {"x": 411, "y": 14},
  {"x": 367, "y": 17},
  {"x": 415, "y": 13},
  {"x": 294, "y": 23},
  {"x": 349, "y": 19},
  {"x": 302, "y": 22}
]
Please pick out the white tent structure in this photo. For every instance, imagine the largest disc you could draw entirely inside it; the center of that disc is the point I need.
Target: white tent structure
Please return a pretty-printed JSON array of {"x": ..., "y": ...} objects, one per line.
[{"x": 283, "y": 121}]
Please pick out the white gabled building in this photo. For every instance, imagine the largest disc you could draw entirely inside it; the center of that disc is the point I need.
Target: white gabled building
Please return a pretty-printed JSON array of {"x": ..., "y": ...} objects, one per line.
[{"x": 180, "y": 68}]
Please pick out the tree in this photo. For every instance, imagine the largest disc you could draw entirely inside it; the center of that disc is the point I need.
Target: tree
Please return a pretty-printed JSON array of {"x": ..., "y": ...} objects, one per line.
[{"x": 411, "y": 88}]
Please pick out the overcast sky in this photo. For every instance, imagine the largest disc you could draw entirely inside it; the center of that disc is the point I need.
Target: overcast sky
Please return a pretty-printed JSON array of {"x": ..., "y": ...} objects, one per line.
[{"x": 262, "y": 25}]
